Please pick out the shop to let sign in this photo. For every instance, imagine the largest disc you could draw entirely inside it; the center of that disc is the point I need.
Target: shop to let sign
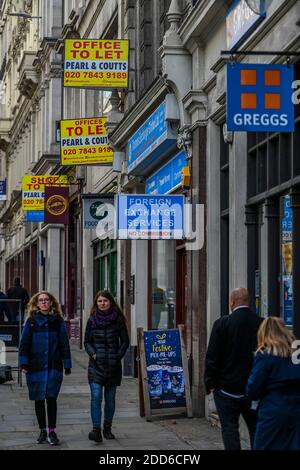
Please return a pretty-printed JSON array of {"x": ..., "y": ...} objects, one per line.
[
  {"x": 259, "y": 98},
  {"x": 33, "y": 190},
  {"x": 96, "y": 63},
  {"x": 84, "y": 142}
]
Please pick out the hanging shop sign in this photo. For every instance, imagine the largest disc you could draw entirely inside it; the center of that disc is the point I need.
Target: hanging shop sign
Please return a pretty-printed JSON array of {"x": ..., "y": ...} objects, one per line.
[
  {"x": 98, "y": 212},
  {"x": 141, "y": 216},
  {"x": 33, "y": 189},
  {"x": 84, "y": 142},
  {"x": 259, "y": 98},
  {"x": 3, "y": 195},
  {"x": 168, "y": 177},
  {"x": 56, "y": 205},
  {"x": 164, "y": 373},
  {"x": 241, "y": 21},
  {"x": 151, "y": 142},
  {"x": 97, "y": 63}
]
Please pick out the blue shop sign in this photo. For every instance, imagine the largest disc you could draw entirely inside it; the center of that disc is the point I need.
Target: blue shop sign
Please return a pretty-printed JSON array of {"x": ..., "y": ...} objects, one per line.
[
  {"x": 3, "y": 196},
  {"x": 151, "y": 142},
  {"x": 287, "y": 260},
  {"x": 168, "y": 177},
  {"x": 34, "y": 216},
  {"x": 259, "y": 98},
  {"x": 141, "y": 216},
  {"x": 241, "y": 21}
]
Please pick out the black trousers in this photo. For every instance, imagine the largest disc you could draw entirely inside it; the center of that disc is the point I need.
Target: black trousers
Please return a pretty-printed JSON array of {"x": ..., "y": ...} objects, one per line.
[
  {"x": 40, "y": 412},
  {"x": 229, "y": 411}
]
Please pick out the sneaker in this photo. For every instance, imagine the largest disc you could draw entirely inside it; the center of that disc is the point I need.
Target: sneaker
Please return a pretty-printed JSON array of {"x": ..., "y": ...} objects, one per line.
[
  {"x": 42, "y": 437},
  {"x": 53, "y": 439}
]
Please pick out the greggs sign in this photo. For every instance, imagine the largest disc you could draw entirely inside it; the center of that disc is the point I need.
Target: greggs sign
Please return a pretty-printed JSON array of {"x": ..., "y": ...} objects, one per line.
[{"x": 259, "y": 98}]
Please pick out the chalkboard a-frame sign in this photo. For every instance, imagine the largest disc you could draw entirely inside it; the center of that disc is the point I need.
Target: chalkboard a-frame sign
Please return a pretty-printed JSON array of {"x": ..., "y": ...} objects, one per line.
[{"x": 163, "y": 373}]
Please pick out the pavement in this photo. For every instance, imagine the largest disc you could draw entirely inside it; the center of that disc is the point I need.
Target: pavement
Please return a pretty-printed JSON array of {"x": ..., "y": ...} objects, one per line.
[{"x": 19, "y": 429}]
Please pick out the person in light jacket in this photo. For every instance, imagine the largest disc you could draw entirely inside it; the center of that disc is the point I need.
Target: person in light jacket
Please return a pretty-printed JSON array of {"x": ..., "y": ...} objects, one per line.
[
  {"x": 43, "y": 354},
  {"x": 106, "y": 341},
  {"x": 275, "y": 381}
]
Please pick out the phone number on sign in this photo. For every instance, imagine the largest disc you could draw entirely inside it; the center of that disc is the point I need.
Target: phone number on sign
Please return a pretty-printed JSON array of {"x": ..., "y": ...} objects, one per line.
[{"x": 108, "y": 75}]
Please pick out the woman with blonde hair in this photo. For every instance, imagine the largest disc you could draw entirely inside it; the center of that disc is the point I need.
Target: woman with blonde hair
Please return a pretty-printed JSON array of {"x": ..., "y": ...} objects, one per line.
[
  {"x": 44, "y": 352},
  {"x": 275, "y": 382}
]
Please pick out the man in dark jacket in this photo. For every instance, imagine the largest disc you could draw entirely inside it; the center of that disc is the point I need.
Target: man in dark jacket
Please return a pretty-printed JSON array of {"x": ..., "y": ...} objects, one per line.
[
  {"x": 228, "y": 363},
  {"x": 20, "y": 293}
]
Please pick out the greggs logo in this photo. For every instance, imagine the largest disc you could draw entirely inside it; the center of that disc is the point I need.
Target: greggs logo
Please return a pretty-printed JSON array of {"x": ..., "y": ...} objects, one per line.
[
  {"x": 271, "y": 79},
  {"x": 259, "y": 97}
]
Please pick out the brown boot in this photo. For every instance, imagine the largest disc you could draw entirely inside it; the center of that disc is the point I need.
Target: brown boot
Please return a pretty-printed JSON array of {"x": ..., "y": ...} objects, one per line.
[{"x": 95, "y": 435}]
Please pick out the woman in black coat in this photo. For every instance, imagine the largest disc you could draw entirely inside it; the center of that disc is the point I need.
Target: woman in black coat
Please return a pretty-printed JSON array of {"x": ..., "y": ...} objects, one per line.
[{"x": 106, "y": 341}]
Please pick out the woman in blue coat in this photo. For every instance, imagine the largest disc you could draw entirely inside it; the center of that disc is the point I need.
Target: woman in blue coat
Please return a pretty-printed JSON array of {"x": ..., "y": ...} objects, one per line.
[
  {"x": 44, "y": 352},
  {"x": 275, "y": 382}
]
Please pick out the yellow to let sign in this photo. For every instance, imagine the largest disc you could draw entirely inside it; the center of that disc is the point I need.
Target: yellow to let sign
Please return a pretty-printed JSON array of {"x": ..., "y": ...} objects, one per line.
[
  {"x": 101, "y": 63},
  {"x": 84, "y": 142},
  {"x": 33, "y": 189}
]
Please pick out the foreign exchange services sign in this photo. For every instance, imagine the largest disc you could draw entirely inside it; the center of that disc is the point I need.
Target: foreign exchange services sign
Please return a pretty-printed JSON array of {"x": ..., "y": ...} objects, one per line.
[
  {"x": 96, "y": 63},
  {"x": 259, "y": 98},
  {"x": 150, "y": 217},
  {"x": 84, "y": 142}
]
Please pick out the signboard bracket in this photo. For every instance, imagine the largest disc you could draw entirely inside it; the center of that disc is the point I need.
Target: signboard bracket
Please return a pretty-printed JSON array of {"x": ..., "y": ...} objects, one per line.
[{"x": 272, "y": 53}]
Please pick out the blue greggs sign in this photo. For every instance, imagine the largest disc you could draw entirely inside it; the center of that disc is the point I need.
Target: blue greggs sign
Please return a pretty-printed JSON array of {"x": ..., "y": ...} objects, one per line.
[
  {"x": 259, "y": 98},
  {"x": 150, "y": 142},
  {"x": 168, "y": 177}
]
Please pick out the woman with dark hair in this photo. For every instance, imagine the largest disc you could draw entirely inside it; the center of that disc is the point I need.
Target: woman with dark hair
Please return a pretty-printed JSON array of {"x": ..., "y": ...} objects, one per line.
[
  {"x": 106, "y": 341},
  {"x": 44, "y": 352}
]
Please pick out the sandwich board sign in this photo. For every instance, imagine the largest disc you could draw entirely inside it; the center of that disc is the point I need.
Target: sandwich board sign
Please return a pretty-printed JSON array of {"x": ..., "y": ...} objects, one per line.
[{"x": 164, "y": 378}]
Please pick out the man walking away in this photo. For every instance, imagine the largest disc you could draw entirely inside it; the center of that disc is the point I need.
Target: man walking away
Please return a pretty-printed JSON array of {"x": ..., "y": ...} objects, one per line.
[
  {"x": 17, "y": 292},
  {"x": 228, "y": 363}
]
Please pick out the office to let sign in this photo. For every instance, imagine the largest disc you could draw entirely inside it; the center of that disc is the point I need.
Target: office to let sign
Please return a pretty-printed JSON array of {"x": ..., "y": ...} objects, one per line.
[
  {"x": 84, "y": 142},
  {"x": 96, "y": 63}
]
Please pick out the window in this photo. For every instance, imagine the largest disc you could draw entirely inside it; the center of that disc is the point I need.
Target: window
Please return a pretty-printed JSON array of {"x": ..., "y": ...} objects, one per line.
[
  {"x": 286, "y": 240},
  {"x": 163, "y": 299},
  {"x": 105, "y": 266},
  {"x": 224, "y": 205}
]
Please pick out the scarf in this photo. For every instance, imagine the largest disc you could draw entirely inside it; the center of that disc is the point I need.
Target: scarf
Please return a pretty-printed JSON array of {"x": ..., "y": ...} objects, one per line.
[{"x": 101, "y": 319}]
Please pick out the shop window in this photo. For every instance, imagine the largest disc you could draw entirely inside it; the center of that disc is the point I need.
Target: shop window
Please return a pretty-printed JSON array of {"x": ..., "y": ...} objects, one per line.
[
  {"x": 163, "y": 298},
  {"x": 105, "y": 266},
  {"x": 224, "y": 228},
  {"x": 286, "y": 240}
]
